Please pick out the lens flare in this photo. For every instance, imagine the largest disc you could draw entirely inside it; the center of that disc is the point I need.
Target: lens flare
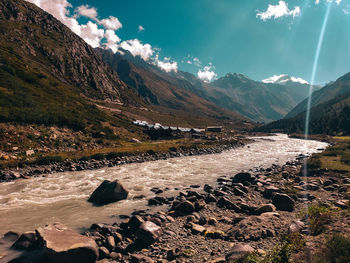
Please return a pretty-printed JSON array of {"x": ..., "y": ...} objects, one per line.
[{"x": 314, "y": 69}]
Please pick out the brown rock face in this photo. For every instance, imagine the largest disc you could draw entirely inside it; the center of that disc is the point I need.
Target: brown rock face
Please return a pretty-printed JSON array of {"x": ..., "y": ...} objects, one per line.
[
  {"x": 63, "y": 54},
  {"x": 63, "y": 245}
]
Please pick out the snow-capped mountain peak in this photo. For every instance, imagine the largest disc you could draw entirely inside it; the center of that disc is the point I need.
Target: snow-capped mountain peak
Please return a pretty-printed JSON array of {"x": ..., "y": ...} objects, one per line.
[{"x": 282, "y": 79}]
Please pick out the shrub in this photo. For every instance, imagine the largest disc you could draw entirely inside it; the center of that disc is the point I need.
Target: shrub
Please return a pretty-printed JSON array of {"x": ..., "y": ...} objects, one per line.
[
  {"x": 314, "y": 163},
  {"x": 98, "y": 156},
  {"x": 173, "y": 149},
  {"x": 318, "y": 216},
  {"x": 336, "y": 250},
  {"x": 151, "y": 152},
  {"x": 345, "y": 159},
  {"x": 46, "y": 160}
]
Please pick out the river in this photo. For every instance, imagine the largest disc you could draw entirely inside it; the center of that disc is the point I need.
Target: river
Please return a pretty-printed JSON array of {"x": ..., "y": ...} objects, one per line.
[{"x": 28, "y": 204}]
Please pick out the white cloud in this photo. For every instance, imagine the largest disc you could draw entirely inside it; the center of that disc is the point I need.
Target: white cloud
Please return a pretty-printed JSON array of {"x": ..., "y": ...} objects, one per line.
[
  {"x": 87, "y": 11},
  {"x": 166, "y": 64},
  {"x": 141, "y": 28},
  {"x": 282, "y": 79},
  {"x": 92, "y": 34},
  {"x": 97, "y": 37},
  {"x": 207, "y": 74},
  {"x": 329, "y": 1},
  {"x": 112, "y": 40},
  {"x": 136, "y": 48},
  {"x": 278, "y": 11},
  {"x": 111, "y": 23}
]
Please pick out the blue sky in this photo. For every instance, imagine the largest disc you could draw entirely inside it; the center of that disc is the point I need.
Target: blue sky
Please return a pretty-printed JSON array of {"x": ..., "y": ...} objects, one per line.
[{"x": 225, "y": 35}]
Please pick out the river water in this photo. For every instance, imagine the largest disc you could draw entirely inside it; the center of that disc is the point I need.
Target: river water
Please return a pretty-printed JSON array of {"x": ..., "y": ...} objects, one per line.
[{"x": 28, "y": 204}]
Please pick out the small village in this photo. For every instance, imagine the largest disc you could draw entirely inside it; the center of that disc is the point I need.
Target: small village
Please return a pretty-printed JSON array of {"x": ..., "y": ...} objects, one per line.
[{"x": 158, "y": 131}]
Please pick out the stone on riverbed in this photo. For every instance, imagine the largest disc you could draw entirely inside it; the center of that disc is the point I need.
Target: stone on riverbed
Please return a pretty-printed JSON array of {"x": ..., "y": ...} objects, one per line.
[
  {"x": 283, "y": 202},
  {"x": 238, "y": 251},
  {"x": 63, "y": 245},
  {"x": 148, "y": 233},
  {"x": 108, "y": 192}
]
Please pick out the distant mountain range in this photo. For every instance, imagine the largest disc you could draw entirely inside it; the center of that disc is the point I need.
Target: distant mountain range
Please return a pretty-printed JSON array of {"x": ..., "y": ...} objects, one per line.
[
  {"x": 257, "y": 101},
  {"x": 330, "y": 111}
]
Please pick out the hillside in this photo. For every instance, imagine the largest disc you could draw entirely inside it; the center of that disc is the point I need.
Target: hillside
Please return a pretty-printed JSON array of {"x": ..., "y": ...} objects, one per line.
[
  {"x": 48, "y": 74},
  {"x": 324, "y": 95},
  {"x": 330, "y": 113}
]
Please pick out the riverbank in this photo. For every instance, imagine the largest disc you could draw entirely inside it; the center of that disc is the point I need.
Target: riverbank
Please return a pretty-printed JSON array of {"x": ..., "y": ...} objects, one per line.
[
  {"x": 137, "y": 153},
  {"x": 205, "y": 224}
]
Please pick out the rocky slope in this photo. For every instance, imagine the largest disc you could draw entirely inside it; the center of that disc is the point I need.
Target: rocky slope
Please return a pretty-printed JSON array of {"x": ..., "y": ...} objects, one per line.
[
  {"x": 41, "y": 41},
  {"x": 329, "y": 114},
  {"x": 324, "y": 95}
]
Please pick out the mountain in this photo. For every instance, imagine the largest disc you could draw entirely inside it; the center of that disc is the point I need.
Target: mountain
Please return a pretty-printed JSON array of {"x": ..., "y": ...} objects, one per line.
[
  {"x": 49, "y": 75},
  {"x": 330, "y": 111},
  {"x": 258, "y": 101},
  {"x": 324, "y": 95},
  {"x": 167, "y": 93}
]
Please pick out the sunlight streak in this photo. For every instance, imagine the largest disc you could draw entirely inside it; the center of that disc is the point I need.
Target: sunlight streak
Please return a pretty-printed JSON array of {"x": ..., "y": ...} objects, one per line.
[{"x": 315, "y": 67}]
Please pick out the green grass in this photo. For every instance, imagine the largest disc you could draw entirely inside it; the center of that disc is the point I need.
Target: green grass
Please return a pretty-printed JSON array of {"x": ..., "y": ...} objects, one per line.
[
  {"x": 318, "y": 217},
  {"x": 335, "y": 250}
]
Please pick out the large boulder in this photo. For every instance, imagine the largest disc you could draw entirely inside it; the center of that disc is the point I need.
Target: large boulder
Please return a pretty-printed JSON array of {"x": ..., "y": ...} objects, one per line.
[
  {"x": 242, "y": 178},
  {"x": 238, "y": 251},
  {"x": 148, "y": 233},
  {"x": 283, "y": 202},
  {"x": 26, "y": 241},
  {"x": 63, "y": 245},
  {"x": 108, "y": 192}
]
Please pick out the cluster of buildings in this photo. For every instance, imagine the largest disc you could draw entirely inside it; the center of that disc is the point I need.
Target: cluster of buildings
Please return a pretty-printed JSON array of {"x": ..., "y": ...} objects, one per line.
[{"x": 158, "y": 130}]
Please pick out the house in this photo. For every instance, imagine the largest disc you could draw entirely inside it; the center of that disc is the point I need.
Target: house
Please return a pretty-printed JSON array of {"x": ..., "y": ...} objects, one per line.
[{"x": 214, "y": 129}]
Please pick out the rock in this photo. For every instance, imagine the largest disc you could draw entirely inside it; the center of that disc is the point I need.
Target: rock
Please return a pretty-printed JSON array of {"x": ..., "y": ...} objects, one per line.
[
  {"x": 110, "y": 243},
  {"x": 212, "y": 221},
  {"x": 30, "y": 152},
  {"x": 148, "y": 233},
  {"x": 26, "y": 241},
  {"x": 238, "y": 251},
  {"x": 197, "y": 229},
  {"x": 283, "y": 202},
  {"x": 202, "y": 220},
  {"x": 253, "y": 228},
  {"x": 296, "y": 226},
  {"x": 185, "y": 208},
  {"x": 103, "y": 252},
  {"x": 63, "y": 245},
  {"x": 218, "y": 260},
  {"x": 210, "y": 199},
  {"x": 135, "y": 222},
  {"x": 270, "y": 190},
  {"x": 136, "y": 258},
  {"x": 11, "y": 236},
  {"x": 108, "y": 192},
  {"x": 343, "y": 204},
  {"x": 115, "y": 256},
  {"x": 134, "y": 140},
  {"x": 238, "y": 192},
  {"x": 242, "y": 177},
  {"x": 265, "y": 209},
  {"x": 199, "y": 204},
  {"x": 225, "y": 203}
]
